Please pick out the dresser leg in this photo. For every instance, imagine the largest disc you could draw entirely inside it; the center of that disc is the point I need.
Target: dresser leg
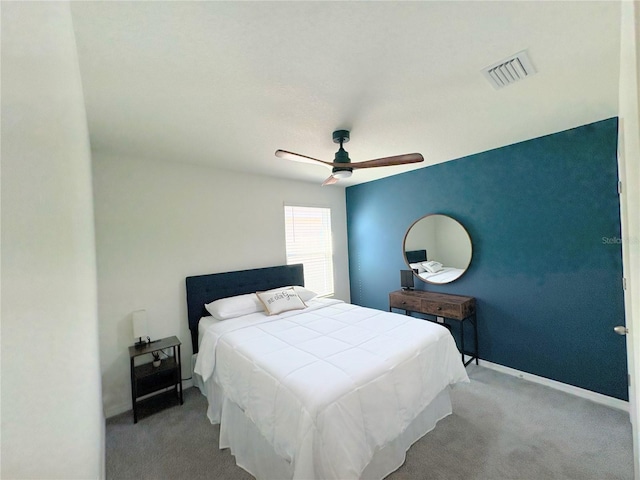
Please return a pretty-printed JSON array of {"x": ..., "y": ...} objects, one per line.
[
  {"x": 462, "y": 341},
  {"x": 133, "y": 393},
  {"x": 475, "y": 332}
]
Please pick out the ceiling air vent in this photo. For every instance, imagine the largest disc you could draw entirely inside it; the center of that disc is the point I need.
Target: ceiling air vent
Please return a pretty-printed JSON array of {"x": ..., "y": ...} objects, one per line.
[{"x": 510, "y": 70}]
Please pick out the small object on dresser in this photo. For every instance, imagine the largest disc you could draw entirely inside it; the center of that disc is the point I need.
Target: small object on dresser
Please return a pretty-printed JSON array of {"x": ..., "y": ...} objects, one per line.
[
  {"x": 406, "y": 279},
  {"x": 156, "y": 358}
]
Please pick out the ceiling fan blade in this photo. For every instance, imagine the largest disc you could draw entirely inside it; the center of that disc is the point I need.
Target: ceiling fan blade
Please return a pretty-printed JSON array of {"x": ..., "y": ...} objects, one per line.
[
  {"x": 330, "y": 181},
  {"x": 299, "y": 158},
  {"x": 389, "y": 161}
]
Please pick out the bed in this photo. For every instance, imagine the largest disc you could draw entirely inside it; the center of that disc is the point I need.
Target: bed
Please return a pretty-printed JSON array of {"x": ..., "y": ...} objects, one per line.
[
  {"x": 415, "y": 258},
  {"x": 328, "y": 391}
]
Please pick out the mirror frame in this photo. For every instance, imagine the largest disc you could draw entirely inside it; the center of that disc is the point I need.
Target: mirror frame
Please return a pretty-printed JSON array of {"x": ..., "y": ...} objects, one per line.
[{"x": 404, "y": 250}]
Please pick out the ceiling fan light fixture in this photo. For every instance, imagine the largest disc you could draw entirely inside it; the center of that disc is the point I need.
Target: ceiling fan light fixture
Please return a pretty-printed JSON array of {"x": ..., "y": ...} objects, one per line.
[{"x": 342, "y": 174}]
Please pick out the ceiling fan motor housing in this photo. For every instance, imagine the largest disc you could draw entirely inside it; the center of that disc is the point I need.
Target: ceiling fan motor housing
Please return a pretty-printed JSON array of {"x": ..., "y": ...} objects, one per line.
[
  {"x": 342, "y": 156},
  {"x": 341, "y": 136}
]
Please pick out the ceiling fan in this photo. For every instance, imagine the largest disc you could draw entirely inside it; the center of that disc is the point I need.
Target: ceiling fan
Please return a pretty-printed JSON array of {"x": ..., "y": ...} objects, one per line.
[{"x": 342, "y": 167}]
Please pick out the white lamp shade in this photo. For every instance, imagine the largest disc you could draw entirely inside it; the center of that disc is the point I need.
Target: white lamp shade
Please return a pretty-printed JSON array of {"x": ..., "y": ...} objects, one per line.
[{"x": 140, "y": 324}]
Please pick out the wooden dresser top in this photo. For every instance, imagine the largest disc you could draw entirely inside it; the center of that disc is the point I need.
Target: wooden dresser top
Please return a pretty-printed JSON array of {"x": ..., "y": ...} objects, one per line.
[{"x": 433, "y": 296}]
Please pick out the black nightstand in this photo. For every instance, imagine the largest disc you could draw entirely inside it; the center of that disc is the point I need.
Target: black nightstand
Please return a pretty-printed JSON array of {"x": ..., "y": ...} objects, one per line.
[{"x": 147, "y": 379}]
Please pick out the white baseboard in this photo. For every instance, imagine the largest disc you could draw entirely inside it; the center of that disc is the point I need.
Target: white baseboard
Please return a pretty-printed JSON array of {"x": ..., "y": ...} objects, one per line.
[
  {"x": 125, "y": 407},
  {"x": 563, "y": 387}
]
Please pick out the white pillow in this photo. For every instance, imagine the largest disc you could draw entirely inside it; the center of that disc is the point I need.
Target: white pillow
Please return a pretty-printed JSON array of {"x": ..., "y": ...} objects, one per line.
[
  {"x": 304, "y": 293},
  {"x": 417, "y": 266},
  {"x": 232, "y": 307},
  {"x": 280, "y": 300}
]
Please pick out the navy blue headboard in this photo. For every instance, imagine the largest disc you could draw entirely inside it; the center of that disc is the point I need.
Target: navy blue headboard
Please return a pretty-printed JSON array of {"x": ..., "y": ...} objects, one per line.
[
  {"x": 415, "y": 256},
  {"x": 203, "y": 289}
]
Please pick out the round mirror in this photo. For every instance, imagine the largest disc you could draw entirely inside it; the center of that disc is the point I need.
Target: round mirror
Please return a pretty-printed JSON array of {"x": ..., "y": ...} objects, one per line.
[{"x": 438, "y": 247}]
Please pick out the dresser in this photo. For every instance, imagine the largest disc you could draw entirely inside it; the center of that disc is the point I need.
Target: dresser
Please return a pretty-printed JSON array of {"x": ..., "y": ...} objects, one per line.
[{"x": 449, "y": 308}]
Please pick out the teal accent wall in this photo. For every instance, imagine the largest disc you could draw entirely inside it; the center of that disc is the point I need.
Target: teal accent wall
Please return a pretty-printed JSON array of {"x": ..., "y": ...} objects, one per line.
[{"x": 544, "y": 219}]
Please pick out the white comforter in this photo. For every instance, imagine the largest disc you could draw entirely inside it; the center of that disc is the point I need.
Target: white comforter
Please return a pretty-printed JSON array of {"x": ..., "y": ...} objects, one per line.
[
  {"x": 446, "y": 275},
  {"x": 329, "y": 385}
]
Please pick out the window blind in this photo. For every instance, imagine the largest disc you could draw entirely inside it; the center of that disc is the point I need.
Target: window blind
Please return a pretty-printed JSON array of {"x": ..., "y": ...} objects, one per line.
[{"x": 308, "y": 241}]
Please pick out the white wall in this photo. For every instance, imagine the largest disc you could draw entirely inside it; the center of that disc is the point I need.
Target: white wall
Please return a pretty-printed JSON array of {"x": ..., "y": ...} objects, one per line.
[
  {"x": 629, "y": 166},
  {"x": 52, "y": 421},
  {"x": 159, "y": 222},
  {"x": 421, "y": 236},
  {"x": 452, "y": 243}
]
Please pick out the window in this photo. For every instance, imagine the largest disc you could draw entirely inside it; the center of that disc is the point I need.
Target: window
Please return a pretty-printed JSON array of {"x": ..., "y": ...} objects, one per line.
[{"x": 308, "y": 238}]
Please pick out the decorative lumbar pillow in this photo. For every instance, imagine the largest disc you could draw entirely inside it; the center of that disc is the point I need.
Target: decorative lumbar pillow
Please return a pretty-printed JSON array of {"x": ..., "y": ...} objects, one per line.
[
  {"x": 280, "y": 300},
  {"x": 432, "y": 266},
  {"x": 304, "y": 293},
  {"x": 232, "y": 307}
]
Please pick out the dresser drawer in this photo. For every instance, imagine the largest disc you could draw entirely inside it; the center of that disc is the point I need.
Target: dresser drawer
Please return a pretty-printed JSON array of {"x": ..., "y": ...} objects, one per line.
[
  {"x": 440, "y": 309},
  {"x": 457, "y": 309},
  {"x": 404, "y": 301}
]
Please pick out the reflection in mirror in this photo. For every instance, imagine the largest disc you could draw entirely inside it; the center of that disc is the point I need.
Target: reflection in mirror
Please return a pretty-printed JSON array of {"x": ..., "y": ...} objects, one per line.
[{"x": 438, "y": 247}]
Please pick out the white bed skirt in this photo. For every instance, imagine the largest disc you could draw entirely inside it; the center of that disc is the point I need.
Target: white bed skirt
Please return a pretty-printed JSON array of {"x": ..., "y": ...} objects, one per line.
[{"x": 255, "y": 455}]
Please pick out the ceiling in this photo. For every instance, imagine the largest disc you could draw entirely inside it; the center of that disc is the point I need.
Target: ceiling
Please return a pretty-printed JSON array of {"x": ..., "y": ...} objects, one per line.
[{"x": 225, "y": 84}]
